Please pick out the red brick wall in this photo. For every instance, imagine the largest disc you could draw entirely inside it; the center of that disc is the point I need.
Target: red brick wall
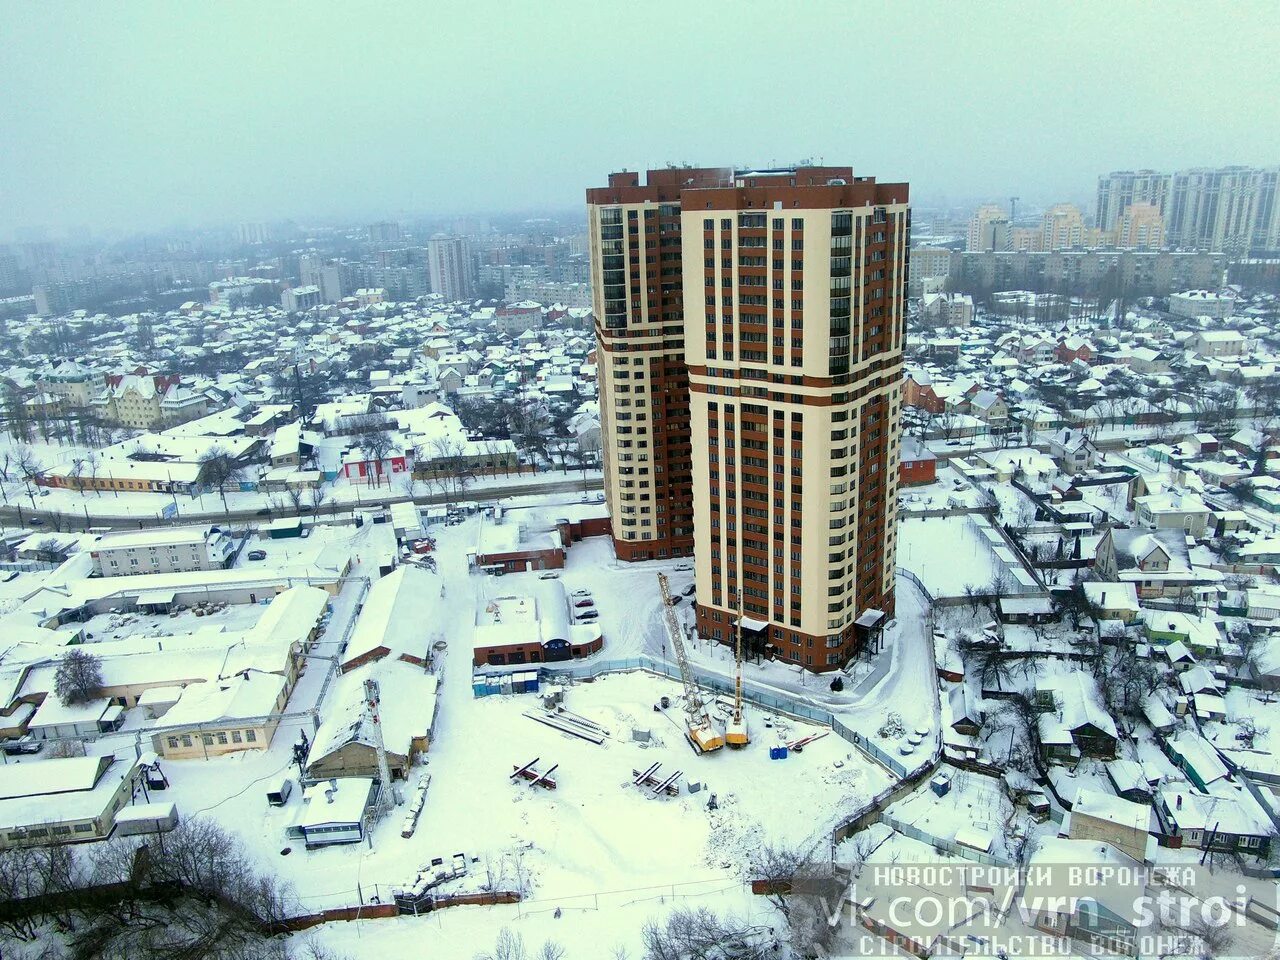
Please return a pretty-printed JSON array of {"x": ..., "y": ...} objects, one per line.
[{"x": 915, "y": 472}]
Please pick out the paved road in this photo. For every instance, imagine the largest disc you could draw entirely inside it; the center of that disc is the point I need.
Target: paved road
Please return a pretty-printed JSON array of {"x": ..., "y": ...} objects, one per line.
[{"x": 99, "y": 508}]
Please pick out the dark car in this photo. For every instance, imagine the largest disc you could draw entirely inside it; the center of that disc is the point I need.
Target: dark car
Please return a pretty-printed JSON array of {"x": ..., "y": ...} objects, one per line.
[
  {"x": 35, "y": 522},
  {"x": 16, "y": 748},
  {"x": 584, "y": 602},
  {"x": 257, "y": 554},
  {"x": 264, "y": 512}
]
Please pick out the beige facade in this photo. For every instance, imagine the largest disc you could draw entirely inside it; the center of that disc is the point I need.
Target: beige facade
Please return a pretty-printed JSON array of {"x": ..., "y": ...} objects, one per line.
[
  {"x": 1062, "y": 227},
  {"x": 215, "y": 739},
  {"x": 989, "y": 229},
  {"x": 795, "y": 547},
  {"x": 1141, "y": 227},
  {"x": 750, "y": 328}
]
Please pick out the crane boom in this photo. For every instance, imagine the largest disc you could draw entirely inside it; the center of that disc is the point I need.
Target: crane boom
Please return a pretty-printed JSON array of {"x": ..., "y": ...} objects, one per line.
[{"x": 701, "y": 731}]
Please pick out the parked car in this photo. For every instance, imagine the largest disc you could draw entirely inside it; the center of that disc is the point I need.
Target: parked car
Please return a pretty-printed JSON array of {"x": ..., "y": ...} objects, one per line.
[
  {"x": 264, "y": 512},
  {"x": 15, "y": 748},
  {"x": 689, "y": 590},
  {"x": 257, "y": 554},
  {"x": 588, "y": 616},
  {"x": 584, "y": 602},
  {"x": 35, "y": 522},
  {"x": 549, "y": 575},
  {"x": 582, "y": 593}
]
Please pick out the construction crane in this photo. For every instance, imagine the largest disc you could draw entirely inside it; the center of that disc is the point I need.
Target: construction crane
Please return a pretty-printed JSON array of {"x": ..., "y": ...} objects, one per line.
[
  {"x": 701, "y": 732},
  {"x": 735, "y": 734}
]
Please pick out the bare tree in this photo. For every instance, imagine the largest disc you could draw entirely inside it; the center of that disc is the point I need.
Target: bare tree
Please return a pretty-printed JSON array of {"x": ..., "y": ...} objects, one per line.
[
  {"x": 699, "y": 933},
  {"x": 92, "y": 461},
  {"x": 317, "y": 497},
  {"x": 78, "y": 678},
  {"x": 217, "y": 469}
]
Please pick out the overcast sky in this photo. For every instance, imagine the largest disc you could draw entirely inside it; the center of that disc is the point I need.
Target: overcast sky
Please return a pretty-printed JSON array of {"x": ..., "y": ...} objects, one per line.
[{"x": 126, "y": 113}]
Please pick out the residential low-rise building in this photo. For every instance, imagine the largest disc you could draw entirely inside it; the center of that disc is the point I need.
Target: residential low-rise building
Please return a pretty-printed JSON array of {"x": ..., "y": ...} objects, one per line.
[
  {"x": 65, "y": 800},
  {"x": 162, "y": 550},
  {"x": 1201, "y": 303}
]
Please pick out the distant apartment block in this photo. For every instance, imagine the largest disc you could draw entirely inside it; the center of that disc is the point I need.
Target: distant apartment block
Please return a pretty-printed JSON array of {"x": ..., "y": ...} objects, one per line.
[
  {"x": 386, "y": 231},
  {"x": 449, "y": 260},
  {"x": 298, "y": 299},
  {"x": 989, "y": 229},
  {"x": 1141, "y": 272},
  {"x": 1062, "y": 228},
  {"x": 1221, "y": 209},
  {"x": 1141, "y": 227}
]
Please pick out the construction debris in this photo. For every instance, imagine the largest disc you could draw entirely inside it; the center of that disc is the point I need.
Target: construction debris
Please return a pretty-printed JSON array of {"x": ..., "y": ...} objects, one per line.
[
  {"x": 653, "y": 779},
  {"x": 570, "y": 723},
  {"x": 410, "y": 822},
  {"x": 796, "y": 746},
  {"x": 530, "y": 773}
]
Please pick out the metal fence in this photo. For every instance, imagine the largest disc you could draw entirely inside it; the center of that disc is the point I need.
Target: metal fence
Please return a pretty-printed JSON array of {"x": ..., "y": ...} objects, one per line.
[
  {"x": 946, "y": 846},
  {"x": 908, "y": 575},
  {"x": 752, "y": 693}
]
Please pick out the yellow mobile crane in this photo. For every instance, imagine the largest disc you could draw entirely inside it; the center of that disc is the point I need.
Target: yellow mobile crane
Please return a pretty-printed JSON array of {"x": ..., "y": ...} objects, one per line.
[
  {"x": 736, "y": 734},
  {"x": 701, "y": 732}
]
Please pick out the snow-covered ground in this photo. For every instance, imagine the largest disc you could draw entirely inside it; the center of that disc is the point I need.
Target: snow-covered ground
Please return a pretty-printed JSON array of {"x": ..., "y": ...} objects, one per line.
[
  {"x": 948, "y": 554},
  {"x": 340, "y": 495},
  {"x": 608, "y": 854}
]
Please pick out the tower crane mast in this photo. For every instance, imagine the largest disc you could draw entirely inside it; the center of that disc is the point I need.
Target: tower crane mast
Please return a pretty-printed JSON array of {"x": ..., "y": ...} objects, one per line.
[{"x": 700, "y": 730}]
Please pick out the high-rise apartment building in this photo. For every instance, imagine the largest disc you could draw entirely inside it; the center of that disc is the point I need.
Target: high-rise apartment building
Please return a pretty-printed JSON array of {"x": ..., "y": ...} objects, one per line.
[
  {"x": 1223, "y": 209},
  {"x": 989, "y": 229},
  {"x": 253, "y": 233},
  {"x": 1120, "y": 190},
  {"x": 638, "y": 300},
  {"x": 779, "y": 295},
  {"x": 449, "y": 261},
  {"x": 1140, "y": 228},
  {"x": 1062, "y": 227},
  {"x": 386, "y": 231},
  {"x": 1212, "y": 209}
]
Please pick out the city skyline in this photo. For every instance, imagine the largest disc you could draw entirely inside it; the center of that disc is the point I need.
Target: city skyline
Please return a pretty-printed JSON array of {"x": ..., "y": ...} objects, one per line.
[{"x": 249, "y": 130}]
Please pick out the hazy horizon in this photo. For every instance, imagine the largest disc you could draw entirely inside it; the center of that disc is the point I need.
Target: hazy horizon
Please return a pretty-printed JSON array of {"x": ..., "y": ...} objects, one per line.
[{"x": 140, "y": 115}]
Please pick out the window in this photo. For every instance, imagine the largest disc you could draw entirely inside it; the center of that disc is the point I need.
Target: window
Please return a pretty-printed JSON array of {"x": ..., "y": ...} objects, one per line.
[
  {"x": 251, "y": 736},
  {"x": 173, "y": 743}
]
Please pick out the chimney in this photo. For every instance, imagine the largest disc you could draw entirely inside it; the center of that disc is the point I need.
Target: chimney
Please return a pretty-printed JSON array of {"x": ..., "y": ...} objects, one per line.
[{"x": 1179, "y": 802}]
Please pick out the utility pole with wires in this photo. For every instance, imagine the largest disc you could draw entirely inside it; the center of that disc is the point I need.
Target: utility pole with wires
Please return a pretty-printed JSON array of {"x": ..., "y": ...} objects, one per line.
[{"x": 388, "y": 796}]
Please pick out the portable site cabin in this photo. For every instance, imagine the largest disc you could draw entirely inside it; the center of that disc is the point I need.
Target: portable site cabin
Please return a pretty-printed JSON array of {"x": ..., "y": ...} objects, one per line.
[
  {"x": 333, "y": 811},
  {"x": 147, "y": 818}
]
